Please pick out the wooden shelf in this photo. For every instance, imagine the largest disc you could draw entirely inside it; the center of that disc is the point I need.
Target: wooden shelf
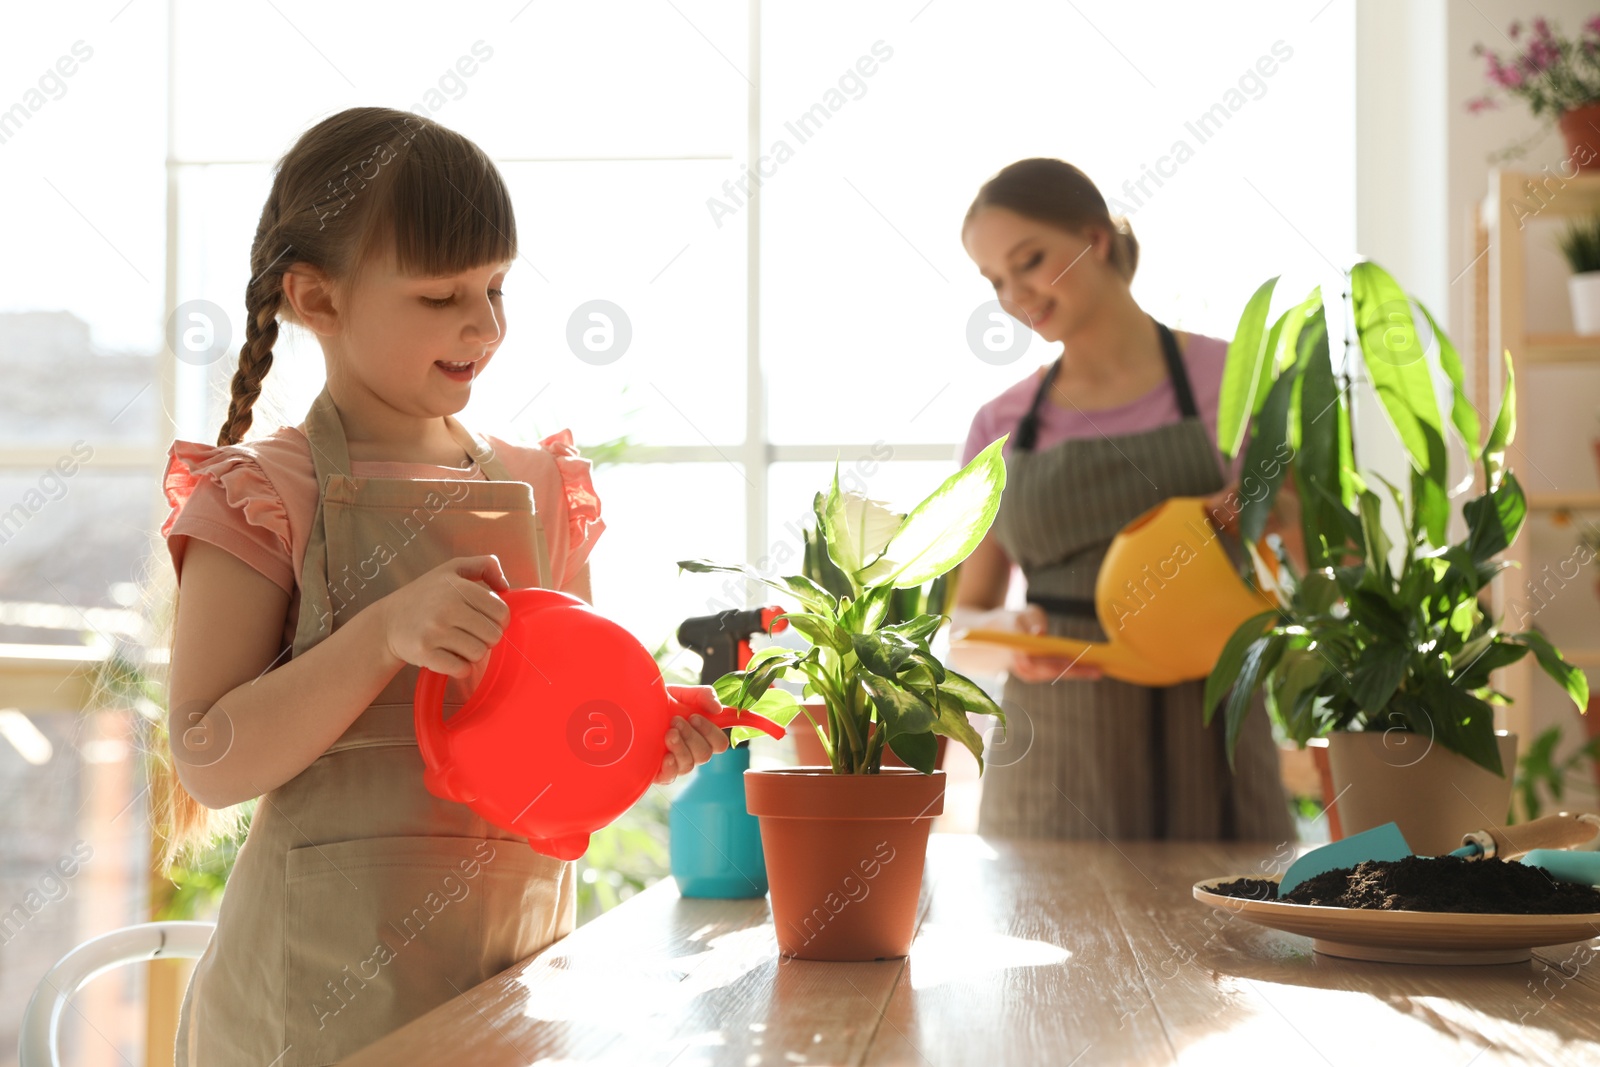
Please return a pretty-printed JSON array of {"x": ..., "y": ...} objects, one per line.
[
  {"x": 1561, "y": 348},
  {"x": 1572, "y": 198},
  {"x": 1499, "y": 317},
  {"x": 1564, "y": 501}
]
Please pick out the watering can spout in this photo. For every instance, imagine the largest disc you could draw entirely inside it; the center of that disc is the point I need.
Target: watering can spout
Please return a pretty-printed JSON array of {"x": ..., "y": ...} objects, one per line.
[
  {"x": 1167, "y": 596},
  {"x": 728, "y": 718}
]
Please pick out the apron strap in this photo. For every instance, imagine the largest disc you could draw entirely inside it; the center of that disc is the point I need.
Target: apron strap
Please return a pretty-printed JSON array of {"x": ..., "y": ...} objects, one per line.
[
  {"x": 1028, "y": 427},
  {"x": 1177, "y": 372},
  {"x": 1027, "y": 432},
  {"x": 330, "y": 455},
  {"x": 1077, "y": 606},
  {"x": 324, "y": 429}
]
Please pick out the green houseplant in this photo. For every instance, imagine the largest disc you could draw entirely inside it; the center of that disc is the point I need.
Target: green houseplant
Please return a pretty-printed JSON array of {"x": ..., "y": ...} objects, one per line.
[
  {"x": 1580, "y": 245},
  {"x": 858, "y": 823},
  {"x": 811, "y": 744},
  {"x": 1390, "y": 640}
]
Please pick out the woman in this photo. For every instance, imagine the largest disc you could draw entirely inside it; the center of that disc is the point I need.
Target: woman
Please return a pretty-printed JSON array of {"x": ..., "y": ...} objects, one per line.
[{"x": 1124, "y": 418}]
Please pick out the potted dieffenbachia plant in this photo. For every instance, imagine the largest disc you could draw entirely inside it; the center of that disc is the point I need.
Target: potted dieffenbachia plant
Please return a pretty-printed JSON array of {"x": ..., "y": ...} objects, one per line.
[
  {"x": 857, "y": 821},
  {"x": 879, "y": 520},
  {"x": 1383, "y": 646}
]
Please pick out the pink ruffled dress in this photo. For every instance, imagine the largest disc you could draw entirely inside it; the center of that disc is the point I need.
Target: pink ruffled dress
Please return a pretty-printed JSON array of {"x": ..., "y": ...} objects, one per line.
[{"x": 257, "y": 500}]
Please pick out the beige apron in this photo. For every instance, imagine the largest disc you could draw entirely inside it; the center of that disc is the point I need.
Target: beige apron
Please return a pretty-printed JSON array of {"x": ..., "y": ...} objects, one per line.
[{"x": 359, "y": 900}]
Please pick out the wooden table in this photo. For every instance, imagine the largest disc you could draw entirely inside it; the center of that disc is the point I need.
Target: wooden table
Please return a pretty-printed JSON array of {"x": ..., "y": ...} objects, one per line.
[{"x": 1051, "y": 953}]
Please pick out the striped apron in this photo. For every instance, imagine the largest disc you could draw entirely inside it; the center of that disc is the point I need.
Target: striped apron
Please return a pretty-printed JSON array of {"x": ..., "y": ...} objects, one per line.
[{"x": 1085, "y": 759}]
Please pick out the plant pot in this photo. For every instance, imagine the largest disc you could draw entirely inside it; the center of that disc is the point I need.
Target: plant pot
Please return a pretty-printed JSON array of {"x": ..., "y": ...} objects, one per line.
[
  {"x": 844, "y": 857},
  {"x": 1584, "y": 292},
  {"x": 1580, "y": 128},
  {"x": 1318, "y": 747},
  {"x": 1591, "y": 729},
  {"x": 1435, "y": 795},
  {"x": 808, "y": 748}
]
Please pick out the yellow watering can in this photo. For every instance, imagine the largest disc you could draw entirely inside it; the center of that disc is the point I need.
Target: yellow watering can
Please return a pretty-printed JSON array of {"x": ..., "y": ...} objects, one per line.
[{"x": 1167, "y": 596}]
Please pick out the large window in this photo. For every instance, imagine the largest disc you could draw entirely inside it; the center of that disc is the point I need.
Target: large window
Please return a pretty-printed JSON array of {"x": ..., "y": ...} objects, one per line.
[
  {"x": 826, "y": 317},
  {"x": 823, "y": 315}
]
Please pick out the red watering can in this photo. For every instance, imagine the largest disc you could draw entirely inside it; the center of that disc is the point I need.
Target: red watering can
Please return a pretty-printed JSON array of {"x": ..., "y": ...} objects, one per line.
[{"x": 565, "y": 731}]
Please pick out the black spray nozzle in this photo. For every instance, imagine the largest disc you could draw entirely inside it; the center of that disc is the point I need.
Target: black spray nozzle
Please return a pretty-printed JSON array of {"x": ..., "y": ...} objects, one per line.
[{"x": 723, "y": 639}]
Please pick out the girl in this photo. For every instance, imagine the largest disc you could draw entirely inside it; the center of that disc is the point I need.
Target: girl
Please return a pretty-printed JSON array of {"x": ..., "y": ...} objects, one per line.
[
  {"x": 1124, "y": 418},
  {"x": 322, "y": 565}
]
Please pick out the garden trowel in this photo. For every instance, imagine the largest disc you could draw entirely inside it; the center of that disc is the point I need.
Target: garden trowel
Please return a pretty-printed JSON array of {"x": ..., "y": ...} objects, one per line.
[{"x": 1386, "y": 842}]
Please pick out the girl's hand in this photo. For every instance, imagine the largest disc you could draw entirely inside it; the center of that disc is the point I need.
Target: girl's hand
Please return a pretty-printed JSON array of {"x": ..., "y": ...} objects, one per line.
[
  {"x": 691, "y": 738},
  {"x": 1031, "y": 668},
  {"x": 447, "y": 619}
]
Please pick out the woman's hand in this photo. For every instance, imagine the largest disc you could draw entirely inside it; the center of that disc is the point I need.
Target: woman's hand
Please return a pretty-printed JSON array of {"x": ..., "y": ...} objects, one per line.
[
  {"x": 1031, "y": 668},
  {"x": 691, "y": 738},
  {"x": 1225, "y": 506}
]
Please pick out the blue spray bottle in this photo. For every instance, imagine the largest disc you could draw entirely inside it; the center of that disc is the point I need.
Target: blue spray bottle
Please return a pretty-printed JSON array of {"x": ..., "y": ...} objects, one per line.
[{"x": 713, "y": 842}]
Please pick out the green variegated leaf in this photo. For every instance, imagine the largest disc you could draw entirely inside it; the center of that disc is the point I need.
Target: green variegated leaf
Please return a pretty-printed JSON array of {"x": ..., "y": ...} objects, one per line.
[
  {"x": 819, "y": 630},
  {"x": 865, "y": 613},
  {"x": 858, "y": 529},
  {"x": 741, "y": 689},
  {"x": 919, "y": 750},
  {"x": 921, "y": 628},
  {"x": 779, "y": 705},
  {"x": 884, "y": 654},
  {"x": 969, "y": 695},
  {"x": 809, "y": 593},
  {"x": 943, "y": 530},
  {"x": 898, "y": 708},
  {"x": 952, "y": 722}
]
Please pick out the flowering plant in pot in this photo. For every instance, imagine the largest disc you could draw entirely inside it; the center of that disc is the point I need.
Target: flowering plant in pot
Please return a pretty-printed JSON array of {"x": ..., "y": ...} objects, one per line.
[
  {"x": 1384, "y": 648},
  {"x": 845, "y": 843},
  {"x": 1558, "y": 77}
]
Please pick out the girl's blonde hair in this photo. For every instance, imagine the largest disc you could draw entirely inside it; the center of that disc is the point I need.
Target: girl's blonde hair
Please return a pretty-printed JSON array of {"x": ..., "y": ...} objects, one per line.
[
  {"x": 1056, "y": 192},
  {"x": 359, "y": 184}
]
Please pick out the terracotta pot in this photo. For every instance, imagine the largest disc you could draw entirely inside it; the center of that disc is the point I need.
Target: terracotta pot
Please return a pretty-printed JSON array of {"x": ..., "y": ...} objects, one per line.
[
  {"x": 844, "y": 857},
  {"x": 1580, "y": 128},
  {"x": 1435, "y": 795},
  {"x": 1318, "y": 747},
  {"x": 808, "y": 749}
]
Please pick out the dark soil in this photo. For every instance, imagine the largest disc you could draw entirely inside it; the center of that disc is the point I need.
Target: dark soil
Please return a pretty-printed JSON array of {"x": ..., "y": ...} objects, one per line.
[{"x": 1431, "y": 883}]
